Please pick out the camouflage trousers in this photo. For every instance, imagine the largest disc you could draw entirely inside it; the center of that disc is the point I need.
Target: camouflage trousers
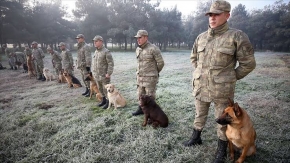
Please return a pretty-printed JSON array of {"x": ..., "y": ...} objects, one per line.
[
  {"x": 101, "y": 86},
  {"x": 201, "y": 113},
  {"x": 38, "y": 67},
  {"x": 70, "y": 70},
  {"x": 147, "y": 86},
  {"x": 57, "y": 68},
  {"x": 12, "y": 61},
  {"x": 84, "y": 73}
]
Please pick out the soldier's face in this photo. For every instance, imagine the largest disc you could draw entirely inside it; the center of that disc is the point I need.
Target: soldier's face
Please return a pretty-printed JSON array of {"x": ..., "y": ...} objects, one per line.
[
  {"x": 80, "y": 40},
  {"x": 216, "y": 20},
  {"x": 62, "y": 47},
  {"x": 98, "y": 43},
  {"x": 34, "y": 45},
  {"x": 142, "y": 40}
]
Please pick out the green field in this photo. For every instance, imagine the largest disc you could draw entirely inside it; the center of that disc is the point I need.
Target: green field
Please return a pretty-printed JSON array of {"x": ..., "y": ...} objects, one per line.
[{"x": 49, "y": 122}]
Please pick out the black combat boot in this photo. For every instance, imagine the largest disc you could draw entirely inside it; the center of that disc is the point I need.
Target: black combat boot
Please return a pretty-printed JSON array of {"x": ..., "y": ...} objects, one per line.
[
  {"x": 43, "y": 78},
  {"x": 15, "y": 68},
  {"x": 138, "y": 111},
  {"x": 103, "y": 102},
  {"x": 221, "y": 153},
  {"x": 106, "y": 104},
  {"x": 86, "y": 92},
  {"x": 39, "y": 78},
  {"x": 194, "y": 140}
]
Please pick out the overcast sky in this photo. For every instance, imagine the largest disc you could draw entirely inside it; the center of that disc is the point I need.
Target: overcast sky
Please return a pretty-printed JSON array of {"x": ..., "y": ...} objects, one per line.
[{"x": 188, "y": 6}]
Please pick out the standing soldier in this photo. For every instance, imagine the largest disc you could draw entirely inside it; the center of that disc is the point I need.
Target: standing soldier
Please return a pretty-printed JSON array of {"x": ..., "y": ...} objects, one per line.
[
  {"x": 102, "y": 68},
  {"x": 67, "y": 58},
  {"x": 214, "y": 57},
  {"x": 84, "y": 61},
  {"x": 38, "y": 55},
  {"x": 10, "y": 53},
  {"x": 55, "y": 59},
  {"x": 150, "y": 63}
]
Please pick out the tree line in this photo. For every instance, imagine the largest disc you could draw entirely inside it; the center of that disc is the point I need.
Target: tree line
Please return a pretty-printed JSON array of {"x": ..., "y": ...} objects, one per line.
[{"x": 117, "y": 21}]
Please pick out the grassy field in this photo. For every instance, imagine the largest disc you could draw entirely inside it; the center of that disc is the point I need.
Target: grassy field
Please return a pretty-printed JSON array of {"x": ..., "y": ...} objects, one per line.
[{"x": 49, "y": 122}]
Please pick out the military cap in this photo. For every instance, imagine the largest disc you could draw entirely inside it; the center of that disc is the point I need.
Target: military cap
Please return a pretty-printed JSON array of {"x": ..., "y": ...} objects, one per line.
[
  {"x": 219, "y": 7},
  {"x": 80, "y": 36},
  {"x": 141, "y": 33},
  {"x": 61, "y": 44},
  {"x": 34, "y": 42},
  {"x": 98, "y": 37}
]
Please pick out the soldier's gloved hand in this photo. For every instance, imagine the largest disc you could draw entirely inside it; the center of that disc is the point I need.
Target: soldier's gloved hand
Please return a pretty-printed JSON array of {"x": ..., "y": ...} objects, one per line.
[{"x": 88, "y": 69}]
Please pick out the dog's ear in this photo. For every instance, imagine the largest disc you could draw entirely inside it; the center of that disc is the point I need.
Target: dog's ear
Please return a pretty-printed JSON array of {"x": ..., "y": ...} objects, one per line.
[
  {"x": 231, "y": 102},
  {"x": 237, "y": 110}
]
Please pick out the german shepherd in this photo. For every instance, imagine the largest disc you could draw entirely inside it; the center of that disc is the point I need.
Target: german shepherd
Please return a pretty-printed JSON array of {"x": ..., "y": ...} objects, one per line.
[
  {"x": 240, "y": 131},
  {"x": 61, "y": 78},
  {"x": 93, "y": 87},
  {"x": 30, "y": 67},
  {"x": 71, "y": 80},
  {"x": 152, "y": 112}
]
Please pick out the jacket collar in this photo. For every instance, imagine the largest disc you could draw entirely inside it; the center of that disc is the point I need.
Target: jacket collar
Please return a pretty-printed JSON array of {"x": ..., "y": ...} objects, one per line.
[{"x": 218, "y": 31}]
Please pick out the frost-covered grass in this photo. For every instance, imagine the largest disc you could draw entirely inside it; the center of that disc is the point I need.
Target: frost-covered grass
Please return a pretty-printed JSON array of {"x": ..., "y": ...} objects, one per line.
[{"x": 49, "y": 122}]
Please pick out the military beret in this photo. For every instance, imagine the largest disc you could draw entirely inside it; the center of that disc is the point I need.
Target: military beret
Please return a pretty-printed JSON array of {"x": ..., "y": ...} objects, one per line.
[
  {"x": 141, "y": 33},
  {"x": 80, "y": 36},
  {"x": 98, "y": 37},
  {"x": 219, "y": 7},
  {"x": 61, "y": 44}
]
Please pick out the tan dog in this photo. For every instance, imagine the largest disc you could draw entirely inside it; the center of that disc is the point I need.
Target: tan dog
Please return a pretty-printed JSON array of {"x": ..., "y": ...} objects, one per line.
[
  {"x": 114, "y": 96},
  {"x": 30, "y": 66},
  {"x": 93, "y": 87},
  {"x": 48, "y": 75},
  {"x": 71, "y": 80},
  {"x": 61, "y": 78},
  {"x": 240, "y": 131}
]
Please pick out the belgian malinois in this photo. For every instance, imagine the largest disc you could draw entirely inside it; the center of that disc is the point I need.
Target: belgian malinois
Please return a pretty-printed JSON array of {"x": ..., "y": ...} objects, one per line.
[
  {"x": 93, "y": 87},
  {"x": 240, "y": 131}
]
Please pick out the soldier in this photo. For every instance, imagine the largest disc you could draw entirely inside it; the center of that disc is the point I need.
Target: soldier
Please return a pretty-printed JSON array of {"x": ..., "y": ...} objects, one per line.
[
  {"x": 67, "y": 58},
  {"x": 38, "y": 55},
  {"x": 214, "y": 57},
  {"x": 102, "y": 68},
  {"x": 150, "y": 63},
  {"x": 10, "y": 53},
  {"x": 84, "y": 61},
  {"x": 55, "y": 59}
]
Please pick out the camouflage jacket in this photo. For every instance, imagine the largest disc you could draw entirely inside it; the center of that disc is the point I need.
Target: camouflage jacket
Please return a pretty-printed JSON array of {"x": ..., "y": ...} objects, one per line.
[
  {"x": 103, "y": 63},
  {"x": 149, "y": 59},
  {"x": 84, "y": 56},
  {"x": 214, "y": 56},
  {"x": 27, "y": 52},
  {"x": 56, "y": 58},
  {"x": 38, "y": 54},
  {"x": 67, "y": 59}
]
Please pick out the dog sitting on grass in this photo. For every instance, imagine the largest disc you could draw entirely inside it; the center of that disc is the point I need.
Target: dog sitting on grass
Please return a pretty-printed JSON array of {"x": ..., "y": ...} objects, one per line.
[
  {"x": 153, "y": 114},
  {"x": 72, "y": 81},
  {"x": 93, "y": 87}
]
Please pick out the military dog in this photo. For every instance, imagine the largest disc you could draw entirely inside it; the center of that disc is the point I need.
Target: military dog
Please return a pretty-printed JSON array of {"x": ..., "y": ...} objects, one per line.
[
  {"x": 240, "y": 131},
  {"x": 115, "y": 97},
  {"x": 48, "y": 75},
  {"x": 30, "y": 68},
  {"x": 152, "y": 112},
  {"x": 71, "y": 80},
  {"x": 93, "y": 87},
  {"x": 61, "y": 78}
]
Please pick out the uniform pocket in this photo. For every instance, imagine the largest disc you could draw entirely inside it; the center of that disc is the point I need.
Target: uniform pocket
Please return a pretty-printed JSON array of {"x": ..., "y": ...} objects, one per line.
[
  {"x": 224, "y": 56},
  {"x": 224, "y": 86},
  {"x": 196, "y": 83}
]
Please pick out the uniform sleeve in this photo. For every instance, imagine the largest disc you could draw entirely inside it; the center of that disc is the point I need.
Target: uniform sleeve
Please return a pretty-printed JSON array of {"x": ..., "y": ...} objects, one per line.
[
  {"x": 110, "y": 62},
  {"x": 41, "y": 53},
  {"x": 245, "y": 56},
  {"x": 88, "y": 56},
  {"x": 71, "y": 60},
  {"x": 158, "y": 58},
  {"x": 193, "y": 55}
]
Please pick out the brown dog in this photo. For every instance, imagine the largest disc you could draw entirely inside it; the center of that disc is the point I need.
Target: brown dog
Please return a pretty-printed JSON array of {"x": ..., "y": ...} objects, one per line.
[
  {"x": 71, "y": 80},
  {"x": 30, "y": 66},
  {"x": 115, "y": 97},
  {"x": 61, "y": 78},
  {"x": 240, "y": 131},
  {"x": 152, "y": 112},
  {"x": 93, "y": 87}
]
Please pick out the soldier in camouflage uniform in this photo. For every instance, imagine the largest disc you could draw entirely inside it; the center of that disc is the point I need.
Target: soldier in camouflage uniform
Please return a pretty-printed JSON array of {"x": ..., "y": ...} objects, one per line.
[
  {"x": 67, "y": 58},
  {"x": 55, "y": 59},
  {"x": 102, "y": 68},
  {"x": 84, "y": 61},
  {"x": 150, "y": 63},
  {"x": 10, "y": 53},
  {"x": 214, "y": 57},
  {"x": 37, "y": 57}
]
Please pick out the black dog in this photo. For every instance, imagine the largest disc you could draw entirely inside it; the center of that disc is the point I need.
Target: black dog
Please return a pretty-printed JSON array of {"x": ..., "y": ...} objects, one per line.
[{"x": 152, "y": 112}]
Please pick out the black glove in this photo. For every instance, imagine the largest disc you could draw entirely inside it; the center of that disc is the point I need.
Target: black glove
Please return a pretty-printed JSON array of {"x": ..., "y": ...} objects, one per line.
[{"x": 88, "y": 69}]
